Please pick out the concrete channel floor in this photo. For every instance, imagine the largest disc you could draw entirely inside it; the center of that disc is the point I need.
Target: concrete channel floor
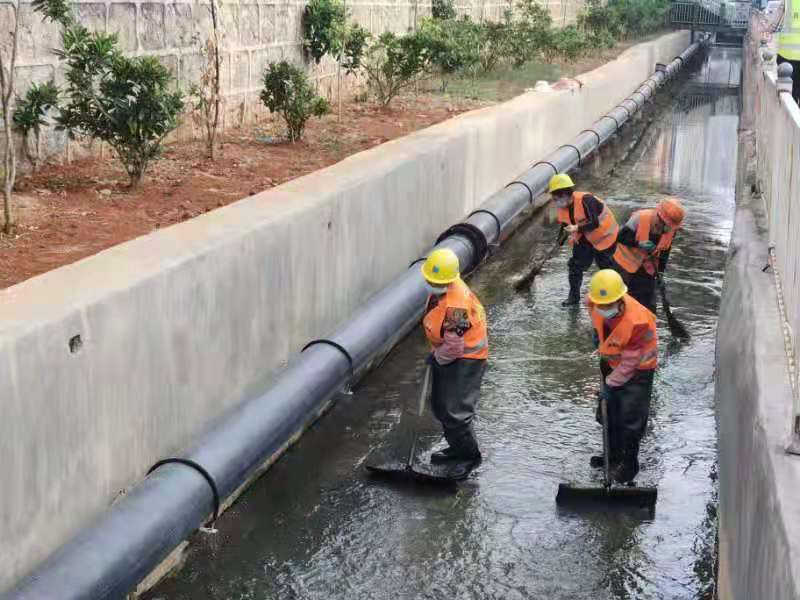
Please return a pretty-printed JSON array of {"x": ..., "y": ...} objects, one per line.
[{"x": 316, "y": 527}]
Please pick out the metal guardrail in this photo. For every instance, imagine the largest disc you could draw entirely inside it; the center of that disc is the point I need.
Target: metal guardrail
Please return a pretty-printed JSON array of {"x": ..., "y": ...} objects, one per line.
[{"x": 711, "y": 15}]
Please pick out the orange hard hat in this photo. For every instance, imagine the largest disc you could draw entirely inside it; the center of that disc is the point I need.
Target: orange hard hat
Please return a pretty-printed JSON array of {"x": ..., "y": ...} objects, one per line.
[{"x": 671, "y": 212}]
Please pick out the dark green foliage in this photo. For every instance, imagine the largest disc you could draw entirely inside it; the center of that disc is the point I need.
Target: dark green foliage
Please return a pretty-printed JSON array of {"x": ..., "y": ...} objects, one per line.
[
  {"x": 287, "y": 91},
  {"x": 393, "y": 62},
  {"x": 31, "y": 109},
  {"x": 443, "y": 9},
  {"x": 327, "y": 31}
]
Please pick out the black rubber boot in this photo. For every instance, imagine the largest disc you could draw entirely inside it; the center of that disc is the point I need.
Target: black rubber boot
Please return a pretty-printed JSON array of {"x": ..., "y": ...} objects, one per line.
[
  {"x": 597, "y": 462},
  {"x": 572, "y": 300},
  {"x": 443, "y": 456}
]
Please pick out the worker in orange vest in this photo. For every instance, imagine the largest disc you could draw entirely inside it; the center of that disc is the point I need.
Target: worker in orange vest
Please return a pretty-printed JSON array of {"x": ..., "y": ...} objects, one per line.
[
  {"x": 643, "y": 248},
  {"x": 626, "y": 339},
  {"x": 592, "y": 228},
  {"x": 455, "y": 325}
]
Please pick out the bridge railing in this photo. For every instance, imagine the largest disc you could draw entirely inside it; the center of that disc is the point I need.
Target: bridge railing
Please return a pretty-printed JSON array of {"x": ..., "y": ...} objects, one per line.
[
  {"x": 773, "y": 117},
  {"x": 710, "y": 15}
]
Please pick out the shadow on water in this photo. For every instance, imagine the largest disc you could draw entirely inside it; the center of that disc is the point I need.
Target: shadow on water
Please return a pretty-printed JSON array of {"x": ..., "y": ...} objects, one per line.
[{"x": 315, "y": 527}]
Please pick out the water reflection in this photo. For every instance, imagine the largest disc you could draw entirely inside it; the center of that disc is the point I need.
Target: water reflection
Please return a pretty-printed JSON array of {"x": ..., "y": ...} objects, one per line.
[{"x": 314, "y": 527}]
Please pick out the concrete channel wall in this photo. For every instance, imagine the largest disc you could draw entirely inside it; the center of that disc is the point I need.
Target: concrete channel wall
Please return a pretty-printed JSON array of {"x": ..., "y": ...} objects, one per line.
[
  {"x": 759, "y": 511},
  {"x": 114, "y": 362}
]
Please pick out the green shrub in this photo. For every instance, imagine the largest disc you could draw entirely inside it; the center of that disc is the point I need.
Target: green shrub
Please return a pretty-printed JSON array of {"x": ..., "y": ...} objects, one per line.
[
  {"x": 495, "y": 44},
  {"x": 568, "y": 44},
  {"x": 326, "y": 30},
  {"x": 123, "y": 101},
  {"x": 443, "y": 9},
  {"x": 29, "y": 117},
  {"x": 451, "y": 46},
  {"x": 392, "y": 63},
  {"x": 528, "y": 32},
  {"x": 288, "y": 92},
  {"x": 322, "y": 21}
]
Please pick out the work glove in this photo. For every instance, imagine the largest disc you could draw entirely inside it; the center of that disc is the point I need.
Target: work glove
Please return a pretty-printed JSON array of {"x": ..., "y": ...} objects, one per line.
[
  {"x": 571, "y": 228},
  {"x": 430, "y": 360},
  {"x": 648, "y": 246}
]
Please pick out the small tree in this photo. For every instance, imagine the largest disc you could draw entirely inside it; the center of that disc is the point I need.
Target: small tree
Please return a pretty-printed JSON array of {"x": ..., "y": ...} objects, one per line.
[
  {"x": 451, "y": 45},
  {"x": 29, "y": 118},
  {"x": 8, "y": 64},
  {"x": 288, "y": 91},
  {"x": 123, "y": 101},
  {"x": 206, "y": 95},
  {"x": 391, "y": 64}
]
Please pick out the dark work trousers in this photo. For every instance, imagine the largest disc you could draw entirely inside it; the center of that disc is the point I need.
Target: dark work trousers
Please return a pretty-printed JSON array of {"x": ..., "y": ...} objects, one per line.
[
  {"x": 583, "y": 255},
  {"x": 454, "y": 399},
  {"x": 628, "y": 411},
  {"x": 641, "y": 285}
]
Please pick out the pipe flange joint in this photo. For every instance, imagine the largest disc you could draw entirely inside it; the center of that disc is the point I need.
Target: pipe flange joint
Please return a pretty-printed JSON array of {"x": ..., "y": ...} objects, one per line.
[
  {"x": 199, "y": 469},
  {"x": 515, "y": 182},
  {"x": 339, "y": 347},
  {"x": 475, "y": 237}
]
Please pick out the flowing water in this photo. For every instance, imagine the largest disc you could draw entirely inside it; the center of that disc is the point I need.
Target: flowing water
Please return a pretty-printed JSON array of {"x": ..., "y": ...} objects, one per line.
[{"x": 315, "y": 527}]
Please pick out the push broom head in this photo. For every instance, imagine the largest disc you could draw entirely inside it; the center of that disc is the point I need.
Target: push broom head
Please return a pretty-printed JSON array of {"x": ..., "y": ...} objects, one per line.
[{"x": 603, "y": 498}]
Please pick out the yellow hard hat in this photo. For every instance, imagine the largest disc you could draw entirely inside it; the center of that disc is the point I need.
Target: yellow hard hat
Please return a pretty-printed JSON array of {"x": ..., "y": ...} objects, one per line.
[
  {"x": 441, "y": 267},
  {"x": 560, "y": 181},
  {"x": 606, "y": 287}
]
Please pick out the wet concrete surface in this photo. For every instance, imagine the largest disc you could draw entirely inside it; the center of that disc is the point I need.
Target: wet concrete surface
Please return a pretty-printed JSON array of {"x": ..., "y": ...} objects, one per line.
[{"x": 315, "y": 526}]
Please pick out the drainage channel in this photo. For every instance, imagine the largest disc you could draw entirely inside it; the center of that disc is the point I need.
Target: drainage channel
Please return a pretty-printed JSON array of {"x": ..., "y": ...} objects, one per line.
[{"x": 315, "y": 527}]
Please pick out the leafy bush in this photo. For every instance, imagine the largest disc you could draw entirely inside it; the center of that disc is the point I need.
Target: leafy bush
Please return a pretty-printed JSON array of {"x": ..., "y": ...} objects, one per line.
[
  {"x": 392, "y": 63},
  {"x": 123, "y": 101},
  {"x": 288, "y": 91},
  {"x": 322, "y": 21},
  {"x": 443, "y": 9},
  {"x": 327, "y": 31},
  {"x": 495, "y": 44},
  {"x": 528, "y": 32},
  {"x": 29, "y": 117},
  {"x": 451, "y": 45},
  {"x": 567, "y": 44}
]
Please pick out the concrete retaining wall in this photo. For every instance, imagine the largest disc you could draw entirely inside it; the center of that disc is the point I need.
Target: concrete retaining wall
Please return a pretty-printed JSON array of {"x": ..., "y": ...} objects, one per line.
[
  {"x": 176, "y": 326},
  {"x": 759, "y": 511}
]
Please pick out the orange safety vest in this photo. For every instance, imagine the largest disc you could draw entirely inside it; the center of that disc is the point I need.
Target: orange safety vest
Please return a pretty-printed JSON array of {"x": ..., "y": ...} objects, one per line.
[
  {"x": 601, "y": 238},
  {"x": 459, "y": 296},
  {"x": 611, "y": 347},
  {"x": 631, "y": 259}
]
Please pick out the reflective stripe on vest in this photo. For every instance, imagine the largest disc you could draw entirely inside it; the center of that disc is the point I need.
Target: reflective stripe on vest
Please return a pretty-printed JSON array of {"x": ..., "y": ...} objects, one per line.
[
  {"x": 459, "y": 296},
  {"x": 604, "y": 236},
  {"x": 630, "y": 258},
  {"x": 634, "y": 315}
]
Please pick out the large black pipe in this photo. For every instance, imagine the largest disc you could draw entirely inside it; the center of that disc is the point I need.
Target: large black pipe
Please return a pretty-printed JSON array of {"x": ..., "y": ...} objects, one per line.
[{"x": 109, "y": 558}]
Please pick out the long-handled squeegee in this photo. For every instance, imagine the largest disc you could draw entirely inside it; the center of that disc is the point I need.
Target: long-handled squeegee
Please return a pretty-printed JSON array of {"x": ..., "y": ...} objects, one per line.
[
  {"x": 607, "y": 495},
  {"x": 409, "y": 470}
]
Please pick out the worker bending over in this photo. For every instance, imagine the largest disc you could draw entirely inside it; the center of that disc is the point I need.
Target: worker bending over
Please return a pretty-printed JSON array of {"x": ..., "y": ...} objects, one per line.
[
  {"x": 643, "y": 247},
  {"x": 592, "y": 228},
  {"x": 625, "y": 334},
  {"x": 455, "y": 325}
]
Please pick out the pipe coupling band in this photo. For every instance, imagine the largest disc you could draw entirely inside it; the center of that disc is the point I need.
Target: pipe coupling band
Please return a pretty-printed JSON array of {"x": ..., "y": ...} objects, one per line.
[
  {"x": 336, "y": 345},
  {"x": 199, "y": 469},
  {"x": 516, "y": 182},
  {"x": 476, "y": 238},
  {"x": 613, "y": 118},
  {"x": 597, "y": 135},
  {"x": 578, "y": 152},
  {"x": 544, "y": 162}
]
